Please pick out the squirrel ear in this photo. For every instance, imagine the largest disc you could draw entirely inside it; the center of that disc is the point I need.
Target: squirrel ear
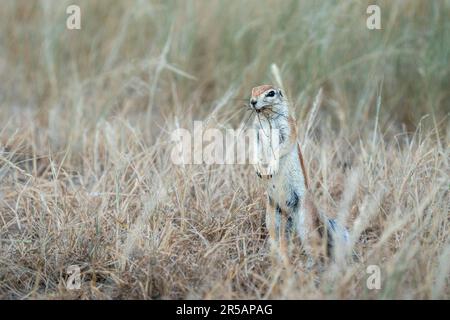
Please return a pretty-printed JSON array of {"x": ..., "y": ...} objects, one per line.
[{"x": 281, "y": 93}]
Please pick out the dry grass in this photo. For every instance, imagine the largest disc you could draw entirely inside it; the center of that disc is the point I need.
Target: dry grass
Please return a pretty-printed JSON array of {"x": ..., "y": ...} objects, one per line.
[{"x": 85, "y": 170}]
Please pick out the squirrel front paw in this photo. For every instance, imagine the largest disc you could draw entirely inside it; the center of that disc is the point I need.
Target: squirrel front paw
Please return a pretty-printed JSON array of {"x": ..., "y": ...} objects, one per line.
[
  {"x": 266, "y": 170},
  {"x": 271, "y": 170}
]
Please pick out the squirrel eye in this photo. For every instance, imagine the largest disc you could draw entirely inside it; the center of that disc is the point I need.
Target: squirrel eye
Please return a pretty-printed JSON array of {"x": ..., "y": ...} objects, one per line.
[{"x": 270, "y": 94}]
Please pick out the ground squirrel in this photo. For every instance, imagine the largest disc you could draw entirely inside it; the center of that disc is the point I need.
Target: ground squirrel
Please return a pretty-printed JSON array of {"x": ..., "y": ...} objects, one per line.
[{"x": 289, "y": 202}]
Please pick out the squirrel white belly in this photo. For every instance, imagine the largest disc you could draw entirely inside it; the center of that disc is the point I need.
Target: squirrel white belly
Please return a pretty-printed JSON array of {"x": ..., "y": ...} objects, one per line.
[{"x": 280, "y": 164}]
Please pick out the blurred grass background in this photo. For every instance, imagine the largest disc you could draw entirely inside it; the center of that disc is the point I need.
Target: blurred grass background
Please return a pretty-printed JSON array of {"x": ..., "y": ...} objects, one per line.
[
  {"x": 225, "y": 44},
  {"x": 84, "y": 122}
]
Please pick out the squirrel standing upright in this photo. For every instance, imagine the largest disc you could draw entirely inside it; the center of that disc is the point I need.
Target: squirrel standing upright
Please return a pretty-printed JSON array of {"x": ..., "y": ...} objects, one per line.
[{"x": 289, "y": 202}]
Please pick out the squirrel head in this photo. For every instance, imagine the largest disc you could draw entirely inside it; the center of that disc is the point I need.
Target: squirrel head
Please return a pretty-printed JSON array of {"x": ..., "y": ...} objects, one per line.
[{"x": 266, "y": 96}]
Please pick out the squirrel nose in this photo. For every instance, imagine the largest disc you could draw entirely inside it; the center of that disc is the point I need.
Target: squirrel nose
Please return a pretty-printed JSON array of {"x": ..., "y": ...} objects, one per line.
[{"x": 253, "y": 102}]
